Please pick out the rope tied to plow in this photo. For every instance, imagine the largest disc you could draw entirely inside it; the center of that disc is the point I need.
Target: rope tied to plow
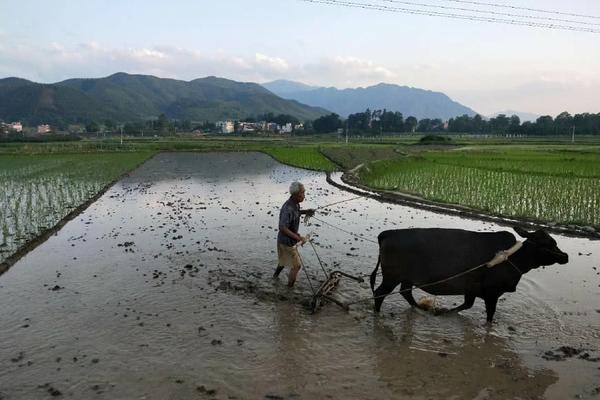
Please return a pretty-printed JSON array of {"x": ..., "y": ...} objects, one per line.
[
  {"x": 500, "y": 257},
  {"x": 308, "y": 217},
  {"x": 504, "y": 255}
]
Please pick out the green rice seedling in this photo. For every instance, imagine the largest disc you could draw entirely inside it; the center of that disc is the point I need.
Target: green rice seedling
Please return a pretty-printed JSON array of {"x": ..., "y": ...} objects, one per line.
[
  {"x": 303, "y": 157},
  {"x": 37, "y": 191},
  {"x": 546, "y": 187}
]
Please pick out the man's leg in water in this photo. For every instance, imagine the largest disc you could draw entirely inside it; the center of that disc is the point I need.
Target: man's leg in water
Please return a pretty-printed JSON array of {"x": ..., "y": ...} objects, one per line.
[
  {"x": 278, "y": 271},
  {"x": 293, "y": 274}
]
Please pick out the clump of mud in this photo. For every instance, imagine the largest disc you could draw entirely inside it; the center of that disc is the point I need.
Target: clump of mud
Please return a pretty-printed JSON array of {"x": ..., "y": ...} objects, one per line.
[
  {"x": 565, "y": 352},
  {"x": 253, "y": 284}
]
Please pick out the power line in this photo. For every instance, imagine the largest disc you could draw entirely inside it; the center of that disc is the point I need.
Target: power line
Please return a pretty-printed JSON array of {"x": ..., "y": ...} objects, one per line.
[
  {"x": 481, "y": 11},
  {"x": 522, "y": 8},
  {"x": 416, "y": 11}
]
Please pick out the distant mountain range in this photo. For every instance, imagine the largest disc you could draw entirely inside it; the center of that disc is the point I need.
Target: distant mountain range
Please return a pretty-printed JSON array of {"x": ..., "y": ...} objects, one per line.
[
  {"x": 523, "y": 116},
  {"x": 123, "y": 97},
  {"x": 409, "y": 101},
  {"x": 283, "y": 87}
]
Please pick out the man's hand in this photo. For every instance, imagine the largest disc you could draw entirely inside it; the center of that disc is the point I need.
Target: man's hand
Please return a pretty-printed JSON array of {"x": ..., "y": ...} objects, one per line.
[
  {"x": 310, "y": 212},
  {"x": 303, "y": 239}
]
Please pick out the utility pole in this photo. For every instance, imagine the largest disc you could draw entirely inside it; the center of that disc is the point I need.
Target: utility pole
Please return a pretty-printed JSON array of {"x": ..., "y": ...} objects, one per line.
[
  {"x": 573, "y": 135},
  {"x": 347, "y": 129},
  {"x": 121, "y": 135}
]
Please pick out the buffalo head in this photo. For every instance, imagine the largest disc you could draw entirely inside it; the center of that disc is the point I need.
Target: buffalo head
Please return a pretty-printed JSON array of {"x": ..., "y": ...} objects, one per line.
[{"x": 546, "y": 252}]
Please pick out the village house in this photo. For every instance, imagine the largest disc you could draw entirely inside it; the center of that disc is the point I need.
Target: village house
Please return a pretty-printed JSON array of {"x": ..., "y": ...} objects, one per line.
[
  {"x": 261, "y": 126},
  {"x": 42, "y": 129},
  {"x": 272, "y": 127},
  {"x": 287, "y": 128},
  {"x": 225, "y": 126},
  {"x": 16, "y": 126},
  {"x": 247, "y": 127},
  {"x": 11, "y": 128}
]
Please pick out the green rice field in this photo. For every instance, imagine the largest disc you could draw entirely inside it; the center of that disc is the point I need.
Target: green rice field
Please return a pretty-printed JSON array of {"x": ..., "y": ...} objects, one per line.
[
  {"x": 37, "y": 191},
  {"x": 41, "y": 183},
  {"x": 560, "y": 186},
  {"x": 351, "y": 156},
  {"x": 303, "y": 157}
]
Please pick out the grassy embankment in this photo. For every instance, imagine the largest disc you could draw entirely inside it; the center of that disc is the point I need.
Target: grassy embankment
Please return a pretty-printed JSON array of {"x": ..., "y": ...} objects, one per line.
[
  {"x": 303, "y": 153},
  {"x": 37, "y": 191}
]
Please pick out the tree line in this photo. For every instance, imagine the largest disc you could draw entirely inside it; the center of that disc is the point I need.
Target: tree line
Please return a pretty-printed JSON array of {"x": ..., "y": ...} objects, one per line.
[
  {"x": 165, "y": 126},
  {"x": 563, "y": 124},
  {"x": 380, "y": 122}
]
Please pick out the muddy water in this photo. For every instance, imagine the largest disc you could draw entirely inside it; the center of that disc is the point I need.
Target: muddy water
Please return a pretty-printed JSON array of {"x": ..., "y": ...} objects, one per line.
[{"x": 162, "y": 289}]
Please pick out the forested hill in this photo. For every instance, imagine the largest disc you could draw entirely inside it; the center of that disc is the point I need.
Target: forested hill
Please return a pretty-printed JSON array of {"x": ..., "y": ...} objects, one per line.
[
  {"x": 415, "y": 102},
  {"x": 123, "y": 97}
]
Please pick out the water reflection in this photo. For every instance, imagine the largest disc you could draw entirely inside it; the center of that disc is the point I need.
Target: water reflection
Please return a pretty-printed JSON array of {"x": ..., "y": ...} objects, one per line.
[
  {"x": 470, "y": 364},
  {"x": 168, "y": 314}
]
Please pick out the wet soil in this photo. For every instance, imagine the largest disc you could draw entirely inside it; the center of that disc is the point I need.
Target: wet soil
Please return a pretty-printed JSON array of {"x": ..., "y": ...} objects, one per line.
[{"x": 162, "y": 289}]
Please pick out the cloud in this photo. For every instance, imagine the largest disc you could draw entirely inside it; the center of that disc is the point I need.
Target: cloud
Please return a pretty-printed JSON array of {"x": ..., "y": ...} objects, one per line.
[
  {"x": 274, "y": 63},
  {"x": 54, "y": 62},
  {"x": 486, "y": 91},
  {"x": 344, "y": 72},
  {"x": 542, "y": 96}
]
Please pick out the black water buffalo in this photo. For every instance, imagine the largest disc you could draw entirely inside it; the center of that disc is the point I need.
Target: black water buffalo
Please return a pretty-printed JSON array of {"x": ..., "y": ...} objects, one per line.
[{"x": 417, "y": 257}]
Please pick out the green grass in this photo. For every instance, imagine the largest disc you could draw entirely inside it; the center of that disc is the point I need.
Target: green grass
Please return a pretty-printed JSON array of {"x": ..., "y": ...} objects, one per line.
[
  {"x": 560, "y": 186},
  {"x": 552, "y": 162},
  {"x": 296, "y": 152},
  {"x": 37, "y": 191},
  {"x": 350, "y": 156},
  {"x": 301, "y": 156}
]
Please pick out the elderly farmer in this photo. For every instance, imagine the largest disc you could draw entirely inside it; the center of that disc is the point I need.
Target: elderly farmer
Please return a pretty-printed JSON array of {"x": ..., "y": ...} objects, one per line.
[{"x": 288, "y": 237}]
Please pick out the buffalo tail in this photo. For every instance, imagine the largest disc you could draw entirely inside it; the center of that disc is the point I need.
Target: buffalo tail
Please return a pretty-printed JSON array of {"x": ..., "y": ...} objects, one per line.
[{"x": 374, "y": 274}]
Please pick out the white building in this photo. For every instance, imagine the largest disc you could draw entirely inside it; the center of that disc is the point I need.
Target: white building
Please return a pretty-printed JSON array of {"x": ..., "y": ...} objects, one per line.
[
  {"x": 287, "y": 128},
  {"x": 272, "y": 127},
  {"x": 226, "y": 126},
  {"x": 41, "y": 129},
  {"x": 248, "y": 127},
  {"x": 16, "y": 126}
]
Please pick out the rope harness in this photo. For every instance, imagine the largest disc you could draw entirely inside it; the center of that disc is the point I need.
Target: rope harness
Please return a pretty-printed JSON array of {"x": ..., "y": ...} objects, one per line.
[
  {"x": 333, "y": 279},
  {"x": 500, "y": 255}
]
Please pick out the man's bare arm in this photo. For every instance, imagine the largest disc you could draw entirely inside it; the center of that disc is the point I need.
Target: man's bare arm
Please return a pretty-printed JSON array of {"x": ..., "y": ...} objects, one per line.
[
  {"x": 310, "y": 212},
  {"x": 286, "y": 231}
]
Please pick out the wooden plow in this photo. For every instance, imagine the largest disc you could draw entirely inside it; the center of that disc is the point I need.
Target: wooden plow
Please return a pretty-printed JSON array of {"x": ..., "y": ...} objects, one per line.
[{"x": 330, "y": 284}]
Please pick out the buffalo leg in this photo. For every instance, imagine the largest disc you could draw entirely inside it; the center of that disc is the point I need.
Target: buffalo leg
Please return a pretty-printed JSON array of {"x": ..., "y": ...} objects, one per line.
[
  {"x": 406, "y": 290},
  {"x": 490, "y": 307},
  {"x": 469, "y": 301},
  {"x": 380, "y": 293}
]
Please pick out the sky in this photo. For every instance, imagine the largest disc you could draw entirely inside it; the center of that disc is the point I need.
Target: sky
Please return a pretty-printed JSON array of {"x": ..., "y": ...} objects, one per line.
[{"x": 486, "y": 66}]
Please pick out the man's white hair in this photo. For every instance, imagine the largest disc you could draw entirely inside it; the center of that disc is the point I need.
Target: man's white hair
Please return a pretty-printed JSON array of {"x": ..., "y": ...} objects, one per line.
[{"x": 295, "y": 187}]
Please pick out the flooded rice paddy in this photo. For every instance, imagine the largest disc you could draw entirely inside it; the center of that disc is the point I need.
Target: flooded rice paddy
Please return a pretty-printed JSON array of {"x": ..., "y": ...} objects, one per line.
[
  {"x": 37, "y": 191},
  {"x": 162, "y": 289}
]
